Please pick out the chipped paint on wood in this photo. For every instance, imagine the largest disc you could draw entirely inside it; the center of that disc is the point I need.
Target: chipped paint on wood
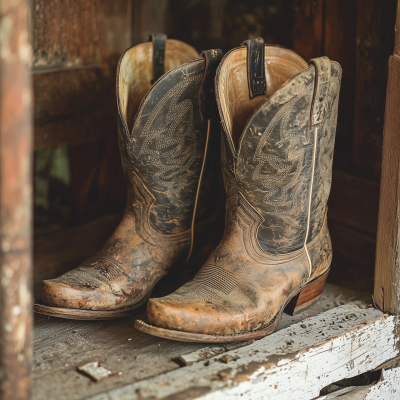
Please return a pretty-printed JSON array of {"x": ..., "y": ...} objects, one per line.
[
  {"x": 297, "y": 361},
  {"x": 388, "y": 388},
  {"x": 15, "y": 201}
]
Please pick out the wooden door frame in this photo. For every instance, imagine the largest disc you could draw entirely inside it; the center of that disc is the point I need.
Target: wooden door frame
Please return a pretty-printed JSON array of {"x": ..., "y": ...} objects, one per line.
[
  {"x": 387, "y": 263},
  {"x": 15, "y": 201}
]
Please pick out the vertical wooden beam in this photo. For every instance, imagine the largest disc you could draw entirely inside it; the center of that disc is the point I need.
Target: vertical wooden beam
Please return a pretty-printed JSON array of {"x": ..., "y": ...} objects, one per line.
[
  {"x": 387, "y": 265},
  {"x": 374, "y": 46},
  {"x": 15, "y": 201},
  {"x": 308, "y": 28},
  {"x": 340, "y": 24}
]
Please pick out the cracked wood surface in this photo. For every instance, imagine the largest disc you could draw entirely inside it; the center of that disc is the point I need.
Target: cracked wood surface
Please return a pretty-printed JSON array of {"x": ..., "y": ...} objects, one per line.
[
  {"x": 297, "y": 361},
  {"x": 63, "y": 345},
  {"x": 387, "y": 388}
]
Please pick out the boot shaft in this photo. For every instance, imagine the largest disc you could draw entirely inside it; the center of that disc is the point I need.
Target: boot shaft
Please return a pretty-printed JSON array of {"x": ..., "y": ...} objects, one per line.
[
  {"x": 164, "y": 128},
  {"x": 278, "y": 146}
]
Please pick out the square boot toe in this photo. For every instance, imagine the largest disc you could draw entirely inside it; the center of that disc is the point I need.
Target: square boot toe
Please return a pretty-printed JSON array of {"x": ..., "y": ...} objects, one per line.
[
  {"x": 59, "y": 294},
  {"x": 194, "y": 317}
]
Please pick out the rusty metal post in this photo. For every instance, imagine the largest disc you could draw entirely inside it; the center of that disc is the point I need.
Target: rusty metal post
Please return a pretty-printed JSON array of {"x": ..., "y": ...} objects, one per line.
[{"x": 15, "y": 201}]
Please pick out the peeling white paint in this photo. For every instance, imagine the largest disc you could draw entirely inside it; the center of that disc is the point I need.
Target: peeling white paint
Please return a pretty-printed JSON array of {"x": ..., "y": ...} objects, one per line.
[
  {"x": 337, "y": 344},
  {"x": 388, "y": 388}
]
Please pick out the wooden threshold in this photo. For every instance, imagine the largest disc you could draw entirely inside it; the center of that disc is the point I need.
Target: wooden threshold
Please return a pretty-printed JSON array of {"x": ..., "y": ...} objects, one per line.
[{"x": 340, "y": 337}]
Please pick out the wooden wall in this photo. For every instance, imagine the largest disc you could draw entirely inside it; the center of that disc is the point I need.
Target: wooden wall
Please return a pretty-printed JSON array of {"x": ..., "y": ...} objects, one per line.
[
  {"x": 77, "y": 44},
  {"x": 359, "y": 34}
]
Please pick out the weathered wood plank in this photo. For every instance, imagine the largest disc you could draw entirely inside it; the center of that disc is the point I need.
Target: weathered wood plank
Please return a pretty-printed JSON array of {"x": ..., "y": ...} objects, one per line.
[
  {"x": 64, "y": 33},
  {"x": 148, "y": 16},
  {"x": 354, "y": 202},
  {"x": 340, "y": 22},
  {"x": 375, "y": 41},
  {"x": 58, "y": 354},
  {"x": 295, "y": 362},
  {"x": 15, "y": 201},
  {"x": 387, "y": 268},
  {"x": 308, "y": 28},
  {"x": 77, "y": 45},
  {"x": 353, "y": 257},
  {"x": 388, "y": 388},
  {"x": 45, "y": 328},
  {"x": 63, "y": 92},
  {"x": 82, "y": 127}
]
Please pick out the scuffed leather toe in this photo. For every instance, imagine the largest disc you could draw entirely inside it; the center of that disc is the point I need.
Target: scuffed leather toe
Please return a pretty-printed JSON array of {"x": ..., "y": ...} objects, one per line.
[
  {"x": 55, "y": 293},
  {"x": 205, "y": 318}
]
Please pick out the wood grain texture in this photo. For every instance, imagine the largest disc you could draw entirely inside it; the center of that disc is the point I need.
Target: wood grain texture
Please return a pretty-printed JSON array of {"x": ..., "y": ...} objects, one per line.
[
  {"x": 387, "y": 267},
  {"x": 354, "y": 202},
  {"x": 79, "y": 128},
  {"x": 397, "y": 29},
  {"x": 388, "y": 388},
  {"x": 375, "y": 40},
  {"x": 149, "y": 16},
  {"x": 62, "y": 345},
  {"x": 308, "y": 28},
  {"x": 15, "y": 202},
  {"x": 61, "y": 93},
  {"x": 64, "y": 33},
  {"x": 295, "y": 362},
  {"x": 353, "y": 260},
  {"x": 340, "y": 22},
  {"x": 77, "y": 44}
]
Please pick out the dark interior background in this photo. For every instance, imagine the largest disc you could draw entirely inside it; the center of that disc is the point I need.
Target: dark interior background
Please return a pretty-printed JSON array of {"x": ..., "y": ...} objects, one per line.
[{"x": 79, "y": 185}]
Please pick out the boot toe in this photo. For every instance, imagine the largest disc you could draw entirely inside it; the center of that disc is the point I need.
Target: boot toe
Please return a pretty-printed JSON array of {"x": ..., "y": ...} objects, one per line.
[
  {"x": 190, "y": 316},
  {"x": 58, "y": 293}
]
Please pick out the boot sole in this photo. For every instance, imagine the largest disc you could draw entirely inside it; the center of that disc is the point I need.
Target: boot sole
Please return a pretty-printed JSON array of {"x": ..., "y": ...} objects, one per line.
[
  {"x": 302, "y": 299},
  {"x": 78, "y": 314}
]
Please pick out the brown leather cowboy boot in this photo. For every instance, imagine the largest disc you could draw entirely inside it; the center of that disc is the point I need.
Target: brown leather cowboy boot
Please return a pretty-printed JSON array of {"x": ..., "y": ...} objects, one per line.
[
  {"x": 279, "y": 121},
  {"x": 167, "y": 132}
]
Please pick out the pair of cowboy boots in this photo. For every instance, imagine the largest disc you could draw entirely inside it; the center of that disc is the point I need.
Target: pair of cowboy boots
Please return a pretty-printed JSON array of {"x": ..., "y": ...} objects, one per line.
[{"x": 278, "y": 115}]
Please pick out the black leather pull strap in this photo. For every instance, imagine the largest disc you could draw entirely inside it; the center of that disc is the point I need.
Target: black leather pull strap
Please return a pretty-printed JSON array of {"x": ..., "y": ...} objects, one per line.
[
  {"x": 159, "y": 42},
  {"x": 256, "y": 67},
  {"x": 207, "y": 101},
  {"x": 319, "y": 105}
]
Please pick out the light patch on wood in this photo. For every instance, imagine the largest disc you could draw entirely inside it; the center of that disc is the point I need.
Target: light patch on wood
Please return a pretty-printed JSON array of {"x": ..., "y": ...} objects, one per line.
[
  {"x": 97, "y": 372},
  {"x": 210, "y": 352},
  {"x": 295, "y": 362}
]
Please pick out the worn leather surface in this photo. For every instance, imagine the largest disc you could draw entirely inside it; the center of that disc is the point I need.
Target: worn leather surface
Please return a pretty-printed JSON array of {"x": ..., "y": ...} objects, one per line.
[
  {"x": 162, "y": 157},
  {"x": 264, "y": 256},
  {"x": 240, "y": 288},
  {"x": 233, "y": 94},
  {"x": 274, "y": 162}
]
